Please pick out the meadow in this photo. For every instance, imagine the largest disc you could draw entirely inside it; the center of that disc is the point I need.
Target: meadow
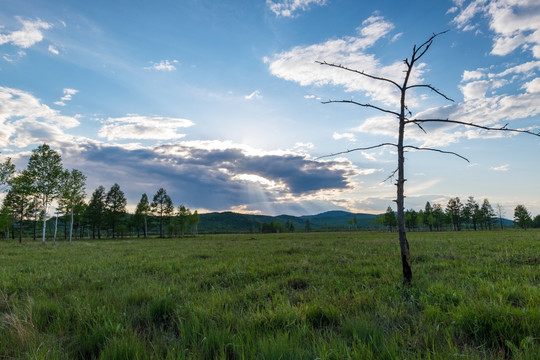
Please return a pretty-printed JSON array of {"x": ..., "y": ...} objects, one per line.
[{"x": 474, "y": 295}]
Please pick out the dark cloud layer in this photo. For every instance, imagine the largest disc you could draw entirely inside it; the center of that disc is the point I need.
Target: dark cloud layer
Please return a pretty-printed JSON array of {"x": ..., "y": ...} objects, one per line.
[{"x": 206, "y": 178}]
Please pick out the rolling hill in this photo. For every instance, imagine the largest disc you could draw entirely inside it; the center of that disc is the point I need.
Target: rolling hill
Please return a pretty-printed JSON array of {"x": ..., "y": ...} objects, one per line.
[{"x": 230, "y": 222}]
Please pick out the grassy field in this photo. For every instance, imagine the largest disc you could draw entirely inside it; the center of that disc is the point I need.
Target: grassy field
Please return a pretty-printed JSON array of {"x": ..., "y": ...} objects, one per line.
[{"x": 281, "y": 296}]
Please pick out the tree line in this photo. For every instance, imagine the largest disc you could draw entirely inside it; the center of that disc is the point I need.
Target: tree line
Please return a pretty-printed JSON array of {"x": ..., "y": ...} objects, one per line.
[
  {"x": 457, "y": 216},
  {"x": 31, "y": 192}
]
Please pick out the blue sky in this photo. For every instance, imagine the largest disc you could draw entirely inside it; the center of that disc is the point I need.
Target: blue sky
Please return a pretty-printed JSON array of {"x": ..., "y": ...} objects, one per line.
[{"x": 219, "y": 102}]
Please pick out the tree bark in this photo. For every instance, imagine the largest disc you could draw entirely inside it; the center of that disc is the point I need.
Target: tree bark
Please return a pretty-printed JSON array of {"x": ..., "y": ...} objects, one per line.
[
  {"x": 71, "y": 226},
  {"x": 403, "y": 243},
  {"x": 55, "y": 229},
  {"x": 21, "y": 226},
  {"x": 145, "y": 227}
]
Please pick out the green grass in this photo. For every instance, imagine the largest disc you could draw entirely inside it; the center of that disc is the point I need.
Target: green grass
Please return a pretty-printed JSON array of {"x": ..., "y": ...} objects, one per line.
[{"x": 475, "y": 295}]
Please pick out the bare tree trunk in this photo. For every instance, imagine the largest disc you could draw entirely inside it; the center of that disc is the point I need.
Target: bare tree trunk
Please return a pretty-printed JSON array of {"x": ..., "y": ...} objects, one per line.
[
  {"x": 403, "y": 243},
  {"x": 145, "y": 226},
  {"x": 71, "y": 226},
  {"x": 55, "y": 228},
  {"x": 417, "y": 53},
  {"x": 44, "y": 226},
  {"x": 21, "y": 226}
]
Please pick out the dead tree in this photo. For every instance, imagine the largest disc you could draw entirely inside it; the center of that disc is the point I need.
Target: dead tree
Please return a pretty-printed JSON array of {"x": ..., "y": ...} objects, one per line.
[{"x": 405, "y": 118}]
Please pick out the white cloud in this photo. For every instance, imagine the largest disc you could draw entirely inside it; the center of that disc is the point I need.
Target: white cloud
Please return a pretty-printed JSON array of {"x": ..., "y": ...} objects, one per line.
[
  {"x": 396, "y": 37},
  {"x": 12, "y": 58},
  {"x": 374, "y": 28},
  {"x": 475, "y": 90},
  {"x": 262, "y": 181},
  {"x": 419, "y": 188},
  {"x": 29, "y": 35},
  {"x": 379, "y": 125},
  {"x": 368, "y": 171},
  {"x": 525, "y": 69},
  {"x": 472, "y": 75},
  {"x": 465, "y": 15},
  {"x": 287, "y": 8},
  {"x": 486, "y": 101},
  {"x": 346, "y": 136},
  {"x": 53, "y": 50},
  {"x": 143, "y": 127},
  {"x": 301, "y": 148},
  {"x": 68, "y": 93},
  {"x": 452, "y": 10},
  {"x": 254, "y": 95},
  {"x": 515, "y": 23},
  {"x": 533, "y": 86},
  {"x": 163, "y": 65},
  {"x": 298, "y": 64},
  {"x": 25, "y": 120},
  {"x": 505, "y": 167}
]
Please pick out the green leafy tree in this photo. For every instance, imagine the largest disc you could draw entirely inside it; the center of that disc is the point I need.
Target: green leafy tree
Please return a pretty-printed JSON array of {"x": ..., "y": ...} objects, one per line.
[
  {"x": 183, "y": 216},
  {"x": 428, "y": 218},
  {"x": 80, "y": 219},
  {"x": 411, "y": 219},
  {"x": 72, "y": 194},
  {"x": 487, "y": 214},
  {"x": 194, "y": 222},
  {"x": 18, "y": 198},
  {"x": 35, "y": 213},
  {"x": 7, "y": 170},
  {"x": 289, "y": 226},
  {"x": 472, "y": 213},
  {"x": 115, "y": 205},
  {"x": 389, "y": 219},
  {"x": 522, "y": 217},
  {"x": 6, "y": 220},
  {"x": 141, "y": 213},
  {"x": 45, "y": 171},
  {"x": 454, "y": 211},
  {"x": 95, "y": 212},
  {"x": 438, "y": 216},
  {"x": 162, "y": 206},
  {"x": 536, "y": 221},
  {"x": 307, "y": 227}
]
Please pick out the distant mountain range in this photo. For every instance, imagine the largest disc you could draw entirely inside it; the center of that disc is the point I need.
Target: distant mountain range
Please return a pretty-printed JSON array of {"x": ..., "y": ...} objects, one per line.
[{"x": 230, "y": 222}]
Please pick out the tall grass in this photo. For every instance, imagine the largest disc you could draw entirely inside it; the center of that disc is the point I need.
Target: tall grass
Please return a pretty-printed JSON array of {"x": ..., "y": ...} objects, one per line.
[{"x": 289, "y": 296}]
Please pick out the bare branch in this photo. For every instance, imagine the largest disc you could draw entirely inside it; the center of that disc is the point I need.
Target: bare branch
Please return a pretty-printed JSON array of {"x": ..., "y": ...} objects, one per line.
[
  {"x": 391, "y": 176},
  {"x": 359, "y": 72},
  {"x": 436, "y": 150},
  {"x": 356, "y": 149},
  {"x": 408, "y": 111},
  {"x": 425, "y": 46},
  {"x": 489, "y": 128},
  {"x": 421, "y": 128},
  {"x": 432, "y": 89},
  {"x": 360, "y": 104}
]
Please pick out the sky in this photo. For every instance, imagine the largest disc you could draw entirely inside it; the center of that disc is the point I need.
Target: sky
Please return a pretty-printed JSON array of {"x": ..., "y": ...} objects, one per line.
[{"x": 221, "y": 103}]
